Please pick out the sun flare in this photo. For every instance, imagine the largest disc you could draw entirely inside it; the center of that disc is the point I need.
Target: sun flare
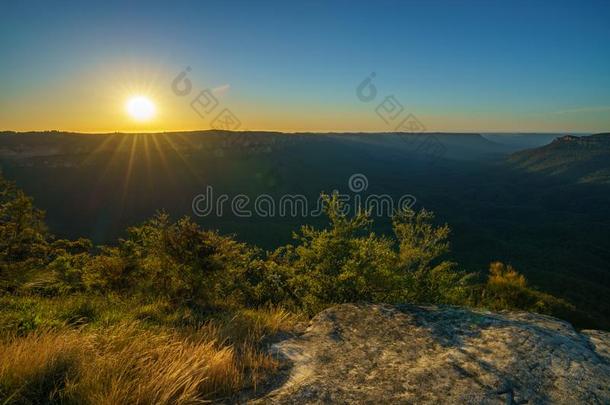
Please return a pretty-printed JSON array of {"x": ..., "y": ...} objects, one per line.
[{"x": 140, "y": 108}]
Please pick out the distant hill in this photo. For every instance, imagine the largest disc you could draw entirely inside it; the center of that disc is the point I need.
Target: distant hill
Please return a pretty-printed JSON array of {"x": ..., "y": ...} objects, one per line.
[
  {"x": 521, "y": 141},
  {"x": 582, "y": 159},
  {"x": 461, "y": 146}
]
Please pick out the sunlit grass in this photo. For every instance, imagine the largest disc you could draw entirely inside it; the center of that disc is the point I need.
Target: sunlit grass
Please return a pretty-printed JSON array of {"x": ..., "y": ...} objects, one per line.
[{"x": 109, "y": 351}]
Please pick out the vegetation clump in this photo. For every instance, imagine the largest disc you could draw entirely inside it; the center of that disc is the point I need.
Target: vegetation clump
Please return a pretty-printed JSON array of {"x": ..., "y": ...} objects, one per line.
[{"x": 173, "y": 313}]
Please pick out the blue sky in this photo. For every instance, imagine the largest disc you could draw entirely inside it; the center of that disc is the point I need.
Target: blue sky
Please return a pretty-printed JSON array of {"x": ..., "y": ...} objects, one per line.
[{"x": 457, "y": 65}]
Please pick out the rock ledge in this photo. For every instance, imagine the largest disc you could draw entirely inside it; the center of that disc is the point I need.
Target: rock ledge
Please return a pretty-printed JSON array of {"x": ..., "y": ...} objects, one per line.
[{"x": 427, "y": 354}]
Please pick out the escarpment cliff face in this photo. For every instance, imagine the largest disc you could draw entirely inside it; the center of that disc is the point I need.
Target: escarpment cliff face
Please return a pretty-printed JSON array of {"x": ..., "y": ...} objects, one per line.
[
  {"x": 583, "y": 159},
  {"x": 417, "y": 354}
]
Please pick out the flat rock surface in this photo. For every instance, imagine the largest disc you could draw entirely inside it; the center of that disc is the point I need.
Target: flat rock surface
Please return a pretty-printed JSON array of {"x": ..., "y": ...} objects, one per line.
[{"x": 442, "y": 355}]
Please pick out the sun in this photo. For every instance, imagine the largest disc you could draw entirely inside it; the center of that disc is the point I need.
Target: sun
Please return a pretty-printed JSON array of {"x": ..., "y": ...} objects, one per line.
[{"x": 140, "y": 108}]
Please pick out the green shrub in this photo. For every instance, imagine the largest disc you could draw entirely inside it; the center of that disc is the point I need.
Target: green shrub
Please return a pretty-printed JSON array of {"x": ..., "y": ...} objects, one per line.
[
  {"x": 348, "y": 262},
  {"x": 176, "y": 260},
  {"x": 23, "y": 236},
  {"x": 423, "y": 248},
  {"x": 507, "y": 289}
]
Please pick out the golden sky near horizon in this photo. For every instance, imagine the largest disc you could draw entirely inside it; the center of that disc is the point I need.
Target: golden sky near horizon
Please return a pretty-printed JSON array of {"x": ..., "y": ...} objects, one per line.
[{"x": 95, "y": 101}]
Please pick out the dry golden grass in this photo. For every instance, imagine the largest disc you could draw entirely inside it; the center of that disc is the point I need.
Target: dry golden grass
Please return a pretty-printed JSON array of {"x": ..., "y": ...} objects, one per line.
[
  {"x": 146, "y": 367},
  {"x": 253, "y": 325},
  {"x": 34, "y": 367},
  {"x": 127, "y": 363}
]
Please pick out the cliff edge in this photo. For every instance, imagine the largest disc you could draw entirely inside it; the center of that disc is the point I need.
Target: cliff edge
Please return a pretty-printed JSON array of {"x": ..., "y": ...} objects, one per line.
[{"x": 428, "y": 354}]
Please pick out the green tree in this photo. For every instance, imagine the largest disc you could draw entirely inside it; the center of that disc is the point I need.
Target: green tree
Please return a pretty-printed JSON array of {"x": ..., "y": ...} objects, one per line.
[
  {"x": 23, "y": 236},
  {"x": 423, "y": 248}
]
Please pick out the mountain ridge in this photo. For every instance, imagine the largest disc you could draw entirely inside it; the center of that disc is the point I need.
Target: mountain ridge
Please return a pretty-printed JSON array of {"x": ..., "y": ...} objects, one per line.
[{"x": 579, "y": 159}]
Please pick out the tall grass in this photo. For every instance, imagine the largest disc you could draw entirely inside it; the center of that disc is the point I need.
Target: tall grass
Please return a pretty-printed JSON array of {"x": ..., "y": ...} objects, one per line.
[
  {"x": 129, "y": 362},
  {"x": 35, "y": 367}
]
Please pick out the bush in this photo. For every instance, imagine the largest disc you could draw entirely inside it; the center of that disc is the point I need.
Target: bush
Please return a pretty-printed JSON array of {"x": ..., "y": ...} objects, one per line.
[
  {"x": 423, "y": 248},
  {"x": 23, "y": 236},
  {"x": 347, "y": 262},
  {"x": 181, "y": 261},
  {"x": 507, "y": 289},
  {"x": 106, "y": 272}
]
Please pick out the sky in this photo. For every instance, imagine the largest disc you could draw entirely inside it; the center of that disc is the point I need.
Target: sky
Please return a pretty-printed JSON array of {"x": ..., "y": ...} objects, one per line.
[{"x": 484, "y": 66}]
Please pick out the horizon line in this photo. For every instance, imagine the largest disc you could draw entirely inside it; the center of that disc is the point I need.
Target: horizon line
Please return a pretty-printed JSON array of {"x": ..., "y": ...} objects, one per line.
[{"x": 523, "y": 132}]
